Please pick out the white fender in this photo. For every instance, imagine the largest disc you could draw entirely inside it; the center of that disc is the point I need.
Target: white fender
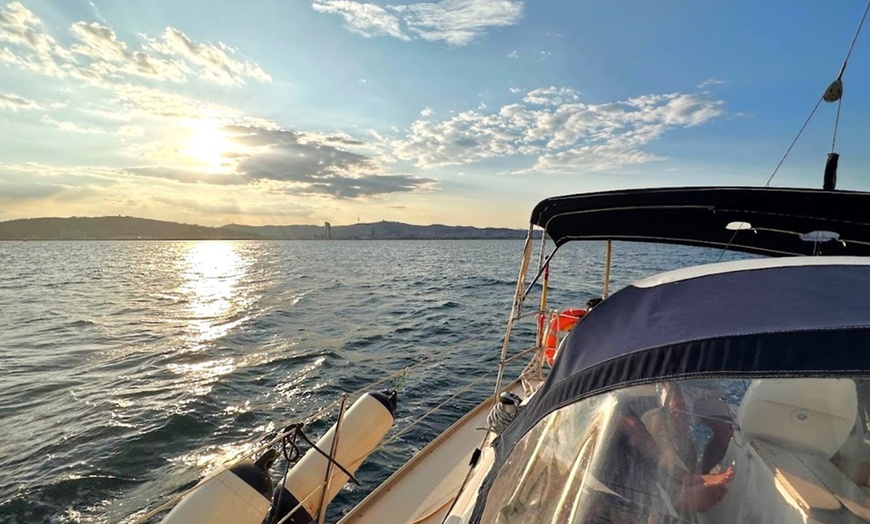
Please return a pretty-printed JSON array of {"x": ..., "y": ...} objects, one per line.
[
  {"x": 239, "y": 495},
  {"x": 362, "y": 428}
]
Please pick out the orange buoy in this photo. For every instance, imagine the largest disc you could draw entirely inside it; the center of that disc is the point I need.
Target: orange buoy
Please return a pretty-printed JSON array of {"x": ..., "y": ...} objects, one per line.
[{"x": 562, "y": 323}]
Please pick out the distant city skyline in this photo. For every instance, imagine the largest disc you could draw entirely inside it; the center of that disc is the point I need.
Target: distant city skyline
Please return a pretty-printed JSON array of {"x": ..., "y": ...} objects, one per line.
[{"x": 456, "y": 112}]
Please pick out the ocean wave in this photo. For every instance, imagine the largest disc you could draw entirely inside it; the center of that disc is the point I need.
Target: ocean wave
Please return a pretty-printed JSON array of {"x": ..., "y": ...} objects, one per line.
[{"x": 115, "y": 384}]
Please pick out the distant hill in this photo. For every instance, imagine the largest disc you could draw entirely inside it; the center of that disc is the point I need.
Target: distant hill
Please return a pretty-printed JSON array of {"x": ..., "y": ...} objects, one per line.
[
  {"x": 131, "y": 228},
  {"x": 379, "y": 230},
  {"x": 112, "y": 228}
]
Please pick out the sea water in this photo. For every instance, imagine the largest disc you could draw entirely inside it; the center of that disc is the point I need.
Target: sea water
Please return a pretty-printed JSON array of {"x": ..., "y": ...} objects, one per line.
[{"x": 130, "y": 369}]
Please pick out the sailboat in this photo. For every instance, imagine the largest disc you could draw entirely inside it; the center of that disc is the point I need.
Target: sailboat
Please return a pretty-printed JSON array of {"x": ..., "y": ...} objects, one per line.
[{"x": 728, "y": 392}]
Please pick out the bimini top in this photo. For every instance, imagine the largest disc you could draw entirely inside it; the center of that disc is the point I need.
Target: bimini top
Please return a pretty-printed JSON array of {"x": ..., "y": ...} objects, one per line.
[
  {"x": 767, "y": 221},
  {"x": 806, "y": 316}
]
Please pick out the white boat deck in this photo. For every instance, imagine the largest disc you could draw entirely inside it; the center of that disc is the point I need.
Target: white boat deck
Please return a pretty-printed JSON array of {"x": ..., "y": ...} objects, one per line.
[{"x": 422, "y": 490}]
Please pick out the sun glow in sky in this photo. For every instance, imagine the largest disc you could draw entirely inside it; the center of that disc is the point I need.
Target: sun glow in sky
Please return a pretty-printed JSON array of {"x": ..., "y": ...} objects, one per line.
[
  {"x": 443, "y": 111},
  {"x": 209, "y": 145}
]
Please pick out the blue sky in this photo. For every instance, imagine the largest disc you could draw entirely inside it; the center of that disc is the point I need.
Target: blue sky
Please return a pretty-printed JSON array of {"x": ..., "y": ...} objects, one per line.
[{"x": 452, "y": 111}]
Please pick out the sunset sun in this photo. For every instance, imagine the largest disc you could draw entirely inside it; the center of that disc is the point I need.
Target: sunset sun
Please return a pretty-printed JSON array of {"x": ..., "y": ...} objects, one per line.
[{"x": 208, "y": 145}]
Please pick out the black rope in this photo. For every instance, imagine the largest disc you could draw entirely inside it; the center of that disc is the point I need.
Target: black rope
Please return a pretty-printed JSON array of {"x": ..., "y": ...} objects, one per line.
[
  {"x": 291, "y": 433},
  {"x": 294, "y": 431},
  {"x": 327, "y": 457},
  {"x": 281, "y": 489}
]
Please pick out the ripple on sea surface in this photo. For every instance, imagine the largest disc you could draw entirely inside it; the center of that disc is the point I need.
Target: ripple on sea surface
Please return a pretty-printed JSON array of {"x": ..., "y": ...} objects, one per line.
[{"x": 131, "y": 368}]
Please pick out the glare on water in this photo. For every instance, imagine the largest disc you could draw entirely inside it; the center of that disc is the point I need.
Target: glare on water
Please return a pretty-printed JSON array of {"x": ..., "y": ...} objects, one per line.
[{"x": 211, "y": 272}]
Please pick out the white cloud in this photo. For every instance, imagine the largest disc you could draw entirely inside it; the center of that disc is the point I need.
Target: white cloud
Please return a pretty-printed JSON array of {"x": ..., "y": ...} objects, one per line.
[
  {"x": 456, "y": 22},
  {"x": 15, "y": 102},
  {"x": 551, "y": 96},
  {"x": 100, "y": 56},
  {"x": 513, "y": 54},
  {"x": 427, "y": 112},
  {"x": 32, "y": 182},
  {"x": 109, "y": 56},
  {"x": 198, "y": 138},
  {"x": 558, "y": 130},
  {"x": 72, "y": 126},
  {"x": 214, "y": 61},
  {"x": 288, "y": 162},
  {"x": 99, "y": 42},
  {"x": 27, "y": 190},
  {"x": 710, "y": 82},
  {"x": 33, "y": 48},
  {"x": 146, "y": 102},
  {"x": 130, "y": 131},
  {"x": 514, "y": 90},
  {"x": 591, "y": 158},
  {"x": 153, "y": 152},
  {"x": 364, "y": 19}
]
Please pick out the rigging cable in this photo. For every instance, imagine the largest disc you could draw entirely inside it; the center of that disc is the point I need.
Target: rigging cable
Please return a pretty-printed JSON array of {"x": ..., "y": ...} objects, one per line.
[
  {"x": 836, "y": 123},
  {"x": 843, "y": 70},
  {"x": 854, "y": 39},
  {"x": 793, "y": 142},
  {"x": 728, "y": 245},
  {"x": 838, "y": 83}
]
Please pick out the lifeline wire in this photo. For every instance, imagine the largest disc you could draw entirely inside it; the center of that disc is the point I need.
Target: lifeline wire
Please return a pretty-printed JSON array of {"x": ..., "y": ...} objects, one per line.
[
  {"x": 289, "y": 430},
  {"x": 436, "y": 408}
]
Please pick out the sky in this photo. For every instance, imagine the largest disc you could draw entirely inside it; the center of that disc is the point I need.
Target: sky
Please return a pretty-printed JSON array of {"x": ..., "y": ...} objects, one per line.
[{"x": 460, "y": 112}]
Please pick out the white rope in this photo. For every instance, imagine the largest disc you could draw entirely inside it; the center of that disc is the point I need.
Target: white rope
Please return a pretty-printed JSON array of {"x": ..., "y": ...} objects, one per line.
[{"x": 500, "y": 418}]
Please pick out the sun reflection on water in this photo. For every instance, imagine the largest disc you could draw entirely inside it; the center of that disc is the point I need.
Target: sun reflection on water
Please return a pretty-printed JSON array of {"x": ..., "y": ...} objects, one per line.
[
  {"x": 210, "y": 458},
  {"x": 212, "y": 276},
  {"x": 201, "y": 375},
  {"x": 215, "y": 300}
]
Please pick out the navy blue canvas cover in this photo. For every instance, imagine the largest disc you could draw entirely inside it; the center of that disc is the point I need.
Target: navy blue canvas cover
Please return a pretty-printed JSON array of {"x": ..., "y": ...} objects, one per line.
[
  {"x": 772, "y": 321},
  {"x": 811, "y": 320}
]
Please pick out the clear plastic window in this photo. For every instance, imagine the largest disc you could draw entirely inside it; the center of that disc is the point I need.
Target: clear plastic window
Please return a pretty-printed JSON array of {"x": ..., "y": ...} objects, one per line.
[{"x": 763, "y": 450}]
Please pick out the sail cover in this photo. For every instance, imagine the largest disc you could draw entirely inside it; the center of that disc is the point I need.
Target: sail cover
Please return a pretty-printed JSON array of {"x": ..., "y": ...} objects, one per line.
[{"x": 766, "y": 221}]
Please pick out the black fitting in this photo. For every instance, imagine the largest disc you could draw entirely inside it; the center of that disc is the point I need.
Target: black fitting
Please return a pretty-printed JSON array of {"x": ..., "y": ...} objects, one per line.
[{"x": 831, "y": 172}]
